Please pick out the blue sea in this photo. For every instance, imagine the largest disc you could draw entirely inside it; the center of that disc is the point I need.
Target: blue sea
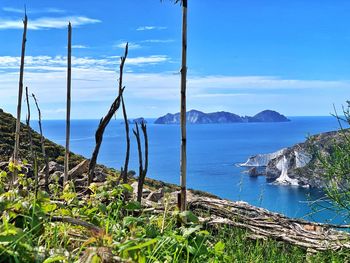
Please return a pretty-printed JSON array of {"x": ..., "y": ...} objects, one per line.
[{"x": 213, "y": 151}]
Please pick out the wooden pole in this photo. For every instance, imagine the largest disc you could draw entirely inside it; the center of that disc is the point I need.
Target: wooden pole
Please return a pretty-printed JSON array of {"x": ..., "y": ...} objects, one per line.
[
  {"x": 183, "y": 161},
  {"x": 20, "y": 92},
  {"x": 69, "y": 82}
]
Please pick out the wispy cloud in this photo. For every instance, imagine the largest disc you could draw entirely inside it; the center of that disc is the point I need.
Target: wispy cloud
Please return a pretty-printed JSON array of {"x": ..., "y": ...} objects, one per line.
[
  {"x": 131, "y": 45},
  {"x": 158, "y": 41},
  {"x": 143, "y": 28},
  {"x": 58, "y": 63},
  {"x": 33, "y": 11},
  {"x": 48, "y": 22},
  {"x": 79, "y": 46}
]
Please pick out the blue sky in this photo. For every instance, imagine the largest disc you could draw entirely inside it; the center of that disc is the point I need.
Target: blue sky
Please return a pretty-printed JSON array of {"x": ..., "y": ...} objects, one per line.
[{"x": 243, "y": 56}]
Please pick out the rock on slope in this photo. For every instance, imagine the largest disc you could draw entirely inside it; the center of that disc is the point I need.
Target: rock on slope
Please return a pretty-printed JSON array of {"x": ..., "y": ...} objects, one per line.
[{"x": 296, "y": 165}]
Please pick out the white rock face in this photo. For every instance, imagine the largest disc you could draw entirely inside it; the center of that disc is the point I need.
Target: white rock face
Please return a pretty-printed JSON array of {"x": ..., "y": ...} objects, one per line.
[
  {"x": 301, "y": 159},
  {"x": 261, "y": 159},
  {"x": 283, "y": 166}
]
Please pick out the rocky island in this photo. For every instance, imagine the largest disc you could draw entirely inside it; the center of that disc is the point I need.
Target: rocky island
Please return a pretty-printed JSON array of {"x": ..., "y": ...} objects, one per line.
[
  {"x": 297, "y": 165},
  {"x": 199, "y": 117}
]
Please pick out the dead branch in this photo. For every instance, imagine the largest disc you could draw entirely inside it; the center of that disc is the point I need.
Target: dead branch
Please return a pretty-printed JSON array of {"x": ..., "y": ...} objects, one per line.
[
  {"x": 105, "y": 120},
  {"x": 78, "y": 222},
  {"x": 142, "y": 169},
  {"x": 42, "y": 142},
  {"x": 33, "y": 153},
  {"x": 124, "y": 171}
]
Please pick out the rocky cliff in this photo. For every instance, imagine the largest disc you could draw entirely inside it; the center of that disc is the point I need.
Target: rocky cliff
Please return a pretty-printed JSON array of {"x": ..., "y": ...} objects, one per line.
[
  {"x": 296, "y": 165},
  {"x": 198, "y": 117}
]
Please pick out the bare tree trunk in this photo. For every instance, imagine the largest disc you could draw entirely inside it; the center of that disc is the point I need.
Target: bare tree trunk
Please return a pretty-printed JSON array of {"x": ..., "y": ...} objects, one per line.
[
  {"x": 42, "y": 142},
  {"x": 20, "y": 93},
  {"x": 69, "y": 82},
  {"x": 183, "y": 162},
  {"x": 142, "y": 170},
  {"x": 124, "y": 172},
  {"x": 105, "y": 120},
  {"x": 31, "y": 146}
]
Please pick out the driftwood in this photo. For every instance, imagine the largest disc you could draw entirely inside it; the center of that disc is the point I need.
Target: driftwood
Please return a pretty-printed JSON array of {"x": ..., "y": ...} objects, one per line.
[
  {"x": 265, "y": 224},
  {"x": 20, "y": 93},
  {"x": 105, "y": 120},
  {"x": 183, "y": 161},
  {"x": 142, "y": 169},
  {"x": 124, "y": 170},
  {"x": 69, "y": 84},
  {"x": 42, "y": 142}
]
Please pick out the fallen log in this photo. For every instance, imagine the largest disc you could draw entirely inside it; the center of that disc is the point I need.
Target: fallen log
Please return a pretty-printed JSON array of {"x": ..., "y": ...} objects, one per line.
[{"x": 263, "y": 224}]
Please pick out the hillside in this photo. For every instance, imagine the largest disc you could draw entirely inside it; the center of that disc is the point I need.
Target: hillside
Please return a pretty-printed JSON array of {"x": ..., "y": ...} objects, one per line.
[{"x": 54, "y": 151}]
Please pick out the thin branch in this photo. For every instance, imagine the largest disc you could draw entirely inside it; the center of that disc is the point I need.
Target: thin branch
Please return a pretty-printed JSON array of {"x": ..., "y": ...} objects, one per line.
[
  {"x": 33, "y": 154},
  {"x": 42, "y": 142},
  {"x": 124, "y": 172}
]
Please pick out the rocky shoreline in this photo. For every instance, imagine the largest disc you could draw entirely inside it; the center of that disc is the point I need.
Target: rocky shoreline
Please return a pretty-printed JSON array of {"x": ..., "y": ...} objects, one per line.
[{"x": 297, "y": 165}]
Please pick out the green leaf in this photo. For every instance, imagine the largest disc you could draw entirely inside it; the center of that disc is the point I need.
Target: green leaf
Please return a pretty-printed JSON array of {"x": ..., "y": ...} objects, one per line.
[
  {"x": 55, "y": 258},
  {"x": 127, "y": 187},
  {"x": 143, "y": 245},
  {"x": 188, "y": 217},
  {"x": 133, "y": 205},
  {"x": 219, "y": 247}
]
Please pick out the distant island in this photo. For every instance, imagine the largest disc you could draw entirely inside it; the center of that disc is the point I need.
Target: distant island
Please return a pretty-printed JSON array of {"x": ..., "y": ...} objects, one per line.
[
  {"x": 198, "y": 117},
  {"x": 138, "y": 120}
]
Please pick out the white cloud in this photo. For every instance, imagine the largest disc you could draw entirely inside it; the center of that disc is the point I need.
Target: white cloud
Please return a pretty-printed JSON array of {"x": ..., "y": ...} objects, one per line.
[
  {"x": 158, "y": 40},
  {"x": 48, "y": 22},
  {"x": 95, "y": 80},
  {"x": 147, "y": 60},
  {"x": 79, "y": 46},
  {"x": 58, "y": 63},
  {"x": 131, "y": 45},
  {"x": 144, "y": 28},
  {"x": 33, "y": 11}
]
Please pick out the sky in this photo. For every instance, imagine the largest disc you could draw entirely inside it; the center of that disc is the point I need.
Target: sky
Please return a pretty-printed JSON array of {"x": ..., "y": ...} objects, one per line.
[{"x": 243, "y": 56}]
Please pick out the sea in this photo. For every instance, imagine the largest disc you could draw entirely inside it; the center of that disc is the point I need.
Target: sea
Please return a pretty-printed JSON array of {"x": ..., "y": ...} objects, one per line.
[{"x": 213, "y": 152}]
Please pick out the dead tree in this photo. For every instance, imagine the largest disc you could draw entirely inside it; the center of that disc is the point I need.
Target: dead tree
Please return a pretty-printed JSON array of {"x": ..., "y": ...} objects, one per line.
[
  {"x": 142, "y": 169},
  {"x": 124, "y": 172},
  {"x": 42, "y": 142},
  {"x": 20, "y": 93},
  {"x": 69, "y": 82},
  {"x": 183, "y": 162},
  {"x": 105, "y": 120},
  {"x": 32, "y": 152}
]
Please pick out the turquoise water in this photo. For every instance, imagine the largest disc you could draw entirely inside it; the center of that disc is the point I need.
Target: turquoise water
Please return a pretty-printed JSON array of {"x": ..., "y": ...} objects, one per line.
[{"x": 213, "y": 151}]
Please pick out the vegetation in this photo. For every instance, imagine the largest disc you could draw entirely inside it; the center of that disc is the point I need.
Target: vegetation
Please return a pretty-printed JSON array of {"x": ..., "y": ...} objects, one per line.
[
  {"x": 103, "y": 227},
  {"x": 336, "y": 168}
]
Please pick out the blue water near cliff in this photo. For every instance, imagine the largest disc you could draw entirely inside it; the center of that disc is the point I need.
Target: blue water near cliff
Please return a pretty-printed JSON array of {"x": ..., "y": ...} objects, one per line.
[{"x": 213, "y": 151}]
